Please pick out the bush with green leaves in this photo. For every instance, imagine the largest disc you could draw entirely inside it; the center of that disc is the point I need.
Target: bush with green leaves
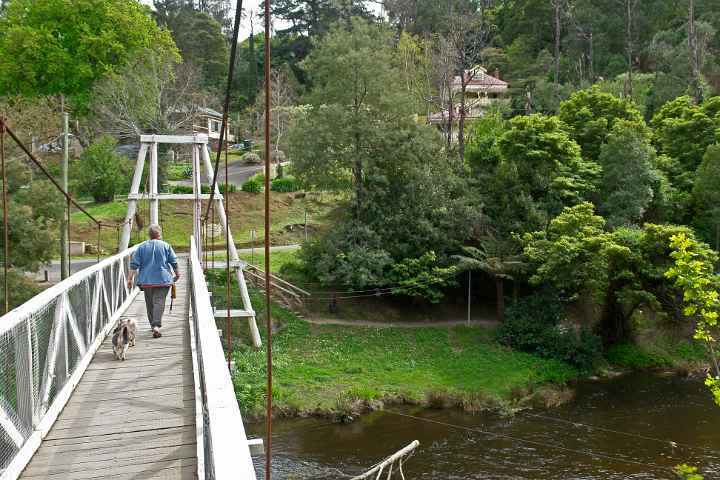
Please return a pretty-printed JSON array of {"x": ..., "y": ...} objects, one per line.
[
  {"x": 180, "y": 189},
  {"x": 205, "y": 189},
  {"x": 102, "y": 172},
  {"x": 252, "y": 186},
  {"x": 179, "y": 171},
  {"x": 537, "y": 324},
  {"x": 221, "y": 187},
  {"x": 285, "y": 185},
  {"x": 251, "y": 157},
  {"x": 422, "y": 277}
]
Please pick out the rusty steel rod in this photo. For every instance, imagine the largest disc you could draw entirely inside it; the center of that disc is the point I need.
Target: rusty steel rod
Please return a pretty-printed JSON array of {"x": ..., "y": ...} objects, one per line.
[
  {"x": 268, "y": 286},
  {"x": 226, "y": 104},
  {"x": 6, "y": 229},
  {"x": 228, "y": 320}
]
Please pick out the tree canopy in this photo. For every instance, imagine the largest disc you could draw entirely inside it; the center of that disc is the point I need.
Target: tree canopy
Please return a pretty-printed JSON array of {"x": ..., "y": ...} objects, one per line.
[{"x": 61, "y": 47}]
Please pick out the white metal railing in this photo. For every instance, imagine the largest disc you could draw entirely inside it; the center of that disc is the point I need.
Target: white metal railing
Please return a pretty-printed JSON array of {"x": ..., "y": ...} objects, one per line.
[
  {"x": 223, "y": 451},
  {"x": 45, "y": 346}
]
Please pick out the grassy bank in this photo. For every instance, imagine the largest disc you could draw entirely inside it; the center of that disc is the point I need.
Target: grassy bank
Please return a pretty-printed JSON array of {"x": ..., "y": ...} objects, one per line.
[
  {"x": 325, "y": 369},
  {"x": 246, "y": 214},
  {"x": 680, "y": 355}
]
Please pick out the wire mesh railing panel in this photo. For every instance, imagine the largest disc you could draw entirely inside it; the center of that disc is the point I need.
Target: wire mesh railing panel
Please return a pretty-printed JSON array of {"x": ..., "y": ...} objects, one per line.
[{"x": 43, "y": 343}]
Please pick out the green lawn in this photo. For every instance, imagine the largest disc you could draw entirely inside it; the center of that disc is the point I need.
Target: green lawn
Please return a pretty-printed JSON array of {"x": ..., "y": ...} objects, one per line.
[
  {"x": 246, "y": 214},
  {"x": 326, "y": 368}
]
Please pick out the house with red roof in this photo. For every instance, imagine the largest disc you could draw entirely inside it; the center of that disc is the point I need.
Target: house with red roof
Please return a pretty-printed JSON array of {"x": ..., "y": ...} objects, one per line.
[{"x": 481, "y": 91}]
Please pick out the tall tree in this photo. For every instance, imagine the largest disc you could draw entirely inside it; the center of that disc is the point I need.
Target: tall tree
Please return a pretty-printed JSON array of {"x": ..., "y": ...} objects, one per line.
[
  {"x": 629, "y": 7},
  {"x": 202, "y": 43},
  {"x": 628, "y": 174},
  {"x": 50, "y": 48},
  {"x": 706, "y": 196},
  {"x": 468, "y": 35},
  {"x": 694, "y": 52},
  {"x": 591, "y": 114},
  {"x": 355, "y": 92},
  {"x": 315, "y": 17},
  {"x": 683, "y": 131},
  {"x": 557, "y": 28},
  {"x": 282, "y": 98},
  {"x": 150, "y": 95},
  {"x": 252, "y": 78},
  {"x": 541, "y": 163}
]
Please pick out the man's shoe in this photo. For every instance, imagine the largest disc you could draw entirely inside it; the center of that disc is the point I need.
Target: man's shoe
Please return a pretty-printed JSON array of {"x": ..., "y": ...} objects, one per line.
[{"x": 156, "y": 333}]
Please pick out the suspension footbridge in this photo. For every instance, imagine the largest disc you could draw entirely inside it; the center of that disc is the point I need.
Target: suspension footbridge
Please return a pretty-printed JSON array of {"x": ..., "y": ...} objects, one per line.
[{"x": 69, "y": 410}]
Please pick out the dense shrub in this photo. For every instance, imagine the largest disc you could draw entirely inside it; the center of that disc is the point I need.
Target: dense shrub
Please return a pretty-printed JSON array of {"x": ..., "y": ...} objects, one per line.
[
  {"x": 275, "y": 156},
  {"x": 206, "y": 188},
  {"x": 179, "y": 171},
  {"x": 252, "y": 186},
  {"x": 102, "y": 171},
  {"x": 285, "y": 185},
  {"x": 251, "y": 157},
  {"x": 536, "y": 324},
  {"x": 180, "y": 189},
  {"x": 185, "y": 189}
]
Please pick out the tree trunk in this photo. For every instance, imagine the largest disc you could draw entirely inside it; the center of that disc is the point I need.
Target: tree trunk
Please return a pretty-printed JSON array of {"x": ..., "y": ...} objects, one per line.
[
  {"x": 450, "y": 114},
  {"x": 694, "y": 53},
  {"x": 461, "y": 122},
  {"x": 357, "y": 177},
  {"x": 613, "y": 321},
  {"x": 629, "y": 47},
  {"x": 591, "y": 58},
  {"x": 500, "y": 291},
  {"x": 556, "y": 5}
]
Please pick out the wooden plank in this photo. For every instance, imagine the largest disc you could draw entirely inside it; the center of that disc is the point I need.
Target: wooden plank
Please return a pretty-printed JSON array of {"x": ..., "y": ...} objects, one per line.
[
  {"x": 139, "y": 470},
  {"x": 118, "y": 457},
  {"x": 184, "y": 390},
  {"x": 111, "y": 440},
  {"x": 129, "y": 419}
]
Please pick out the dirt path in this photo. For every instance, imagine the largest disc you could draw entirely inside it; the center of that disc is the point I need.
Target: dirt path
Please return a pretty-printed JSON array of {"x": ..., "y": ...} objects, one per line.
[{"x": 367, "y": 323}]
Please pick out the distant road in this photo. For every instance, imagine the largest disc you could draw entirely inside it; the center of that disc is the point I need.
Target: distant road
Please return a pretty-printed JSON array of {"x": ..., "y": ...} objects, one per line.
[
  {"x": 53, "y": 268},
  {"x": 237, "y": 172}
]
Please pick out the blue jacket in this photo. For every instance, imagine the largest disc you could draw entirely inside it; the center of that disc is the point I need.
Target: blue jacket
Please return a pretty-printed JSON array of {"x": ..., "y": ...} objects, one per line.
[{"x": 152, "y": 258}]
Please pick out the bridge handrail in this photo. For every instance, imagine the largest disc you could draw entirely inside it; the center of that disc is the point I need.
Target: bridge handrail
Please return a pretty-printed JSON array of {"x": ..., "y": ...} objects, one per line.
[
  {"x": 46, "y": 345},
  {"x": 227, "y": 455},
  {"x": 19, "y": 313}
]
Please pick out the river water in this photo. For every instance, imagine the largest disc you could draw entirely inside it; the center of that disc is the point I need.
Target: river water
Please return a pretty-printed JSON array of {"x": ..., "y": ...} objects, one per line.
[{"x": 640, "y": 415}]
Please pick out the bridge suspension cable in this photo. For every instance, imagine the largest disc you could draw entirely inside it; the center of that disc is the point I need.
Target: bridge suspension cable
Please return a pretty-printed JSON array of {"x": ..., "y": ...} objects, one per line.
[{"x": 5, "y": 128}]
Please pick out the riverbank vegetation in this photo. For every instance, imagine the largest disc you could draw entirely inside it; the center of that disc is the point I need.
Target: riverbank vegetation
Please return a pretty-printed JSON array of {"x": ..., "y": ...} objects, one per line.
[{"x": 331, "y": 370}]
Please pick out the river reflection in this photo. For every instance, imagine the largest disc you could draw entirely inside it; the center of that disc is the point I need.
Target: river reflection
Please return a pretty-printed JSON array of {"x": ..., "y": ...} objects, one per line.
[{"x": 665, "y": 408}]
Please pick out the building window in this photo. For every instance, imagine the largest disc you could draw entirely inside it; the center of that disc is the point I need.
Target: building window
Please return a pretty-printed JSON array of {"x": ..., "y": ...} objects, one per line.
[{"x": 215, "y": 126}]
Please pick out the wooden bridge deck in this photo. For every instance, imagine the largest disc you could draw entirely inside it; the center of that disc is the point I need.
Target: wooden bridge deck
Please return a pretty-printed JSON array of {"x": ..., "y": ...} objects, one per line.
[{"x": 133, "y": 419}]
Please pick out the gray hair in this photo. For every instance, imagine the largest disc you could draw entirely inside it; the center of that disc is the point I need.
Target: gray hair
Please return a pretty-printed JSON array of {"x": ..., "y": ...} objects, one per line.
[{"x": 154, "y": 231}]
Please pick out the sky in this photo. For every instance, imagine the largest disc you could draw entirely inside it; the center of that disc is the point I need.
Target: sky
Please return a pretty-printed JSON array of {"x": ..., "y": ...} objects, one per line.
[{"x": 254, "y": 6}]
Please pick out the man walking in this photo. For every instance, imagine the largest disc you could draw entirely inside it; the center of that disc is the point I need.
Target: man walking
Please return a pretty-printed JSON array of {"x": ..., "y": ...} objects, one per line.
[{"x": 154, "y": 259}]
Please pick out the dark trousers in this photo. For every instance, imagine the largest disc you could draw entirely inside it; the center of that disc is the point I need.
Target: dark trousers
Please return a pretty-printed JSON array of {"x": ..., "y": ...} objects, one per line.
[{"x": 155, "y": 304}]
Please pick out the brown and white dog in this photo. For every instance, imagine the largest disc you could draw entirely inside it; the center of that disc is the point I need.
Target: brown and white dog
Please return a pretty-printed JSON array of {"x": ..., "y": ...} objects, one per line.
[{"x": 123, "y": 337}]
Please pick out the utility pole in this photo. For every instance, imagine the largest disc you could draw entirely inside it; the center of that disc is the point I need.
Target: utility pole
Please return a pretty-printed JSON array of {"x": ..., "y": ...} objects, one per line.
[{"x": 64, "y": 240}]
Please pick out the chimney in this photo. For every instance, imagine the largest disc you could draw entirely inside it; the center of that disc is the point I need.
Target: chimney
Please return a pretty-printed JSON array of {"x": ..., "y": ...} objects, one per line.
[{"x": 497, "y": 74}]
